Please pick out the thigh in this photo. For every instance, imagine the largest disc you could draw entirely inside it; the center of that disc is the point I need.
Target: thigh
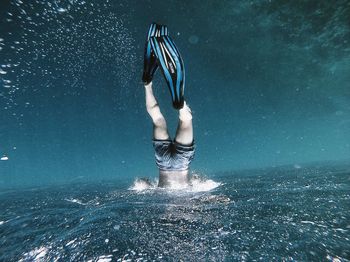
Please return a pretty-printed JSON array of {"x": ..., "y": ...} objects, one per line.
[
  {"x": 184, "y": 133},
  {"x": 160, "y": 129}
]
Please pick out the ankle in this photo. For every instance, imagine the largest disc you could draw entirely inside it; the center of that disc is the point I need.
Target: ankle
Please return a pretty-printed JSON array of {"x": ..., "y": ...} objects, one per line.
[
  {"x": 185, "y": 113},
  {"x": 149, "y": 85}
]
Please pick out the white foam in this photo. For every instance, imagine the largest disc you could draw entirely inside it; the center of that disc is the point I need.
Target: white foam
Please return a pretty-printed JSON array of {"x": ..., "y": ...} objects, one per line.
[
  {"x": 105, "y": 258},
  {"x": 37, "y": 254},
  {"x": 141, "y": 184},
  {"x": 4, "y": 158},
  {"x": 199, "y": 184},
  {"x": 73, "y": 200},
  {"x": 61, "y": 10},
  {"x": 70, "y": 242}
]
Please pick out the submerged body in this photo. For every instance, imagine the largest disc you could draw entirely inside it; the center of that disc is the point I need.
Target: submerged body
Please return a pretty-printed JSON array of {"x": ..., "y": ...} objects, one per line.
[
  {"x": 173, "y": 160},
  {"x": 174, "y": 178}
]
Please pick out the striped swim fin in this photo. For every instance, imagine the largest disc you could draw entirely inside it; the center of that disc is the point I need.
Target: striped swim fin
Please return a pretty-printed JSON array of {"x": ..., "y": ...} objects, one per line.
[
  {"x": 150, "y": 64},
  {"x": 171, "y": 63}
]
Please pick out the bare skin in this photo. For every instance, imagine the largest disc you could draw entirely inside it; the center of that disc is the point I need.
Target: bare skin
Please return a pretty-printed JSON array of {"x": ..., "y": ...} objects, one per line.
[
  {"x": 184, "y": 136},
  {"x": 184, "y": 132}
]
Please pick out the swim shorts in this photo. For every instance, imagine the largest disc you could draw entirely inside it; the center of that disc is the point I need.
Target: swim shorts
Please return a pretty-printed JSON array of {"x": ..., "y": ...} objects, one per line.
[{"x": 173, "y": 156}]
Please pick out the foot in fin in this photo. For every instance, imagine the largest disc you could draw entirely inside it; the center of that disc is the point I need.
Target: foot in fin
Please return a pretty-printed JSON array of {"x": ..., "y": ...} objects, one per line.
[
  {"x": 150, "y": 61},
  {"x": 171, "y": 63}
]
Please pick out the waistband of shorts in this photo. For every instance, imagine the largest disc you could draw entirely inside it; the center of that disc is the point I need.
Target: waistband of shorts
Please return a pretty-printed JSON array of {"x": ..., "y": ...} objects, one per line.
[
  {"x": 174, "y": 142},
  {"x": 162, "y": 140}
]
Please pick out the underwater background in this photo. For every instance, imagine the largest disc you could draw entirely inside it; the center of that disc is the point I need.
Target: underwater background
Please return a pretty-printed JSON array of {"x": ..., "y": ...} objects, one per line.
[
  {"x": 269, "y": 86},
  {"x": 268, "y": 83}
]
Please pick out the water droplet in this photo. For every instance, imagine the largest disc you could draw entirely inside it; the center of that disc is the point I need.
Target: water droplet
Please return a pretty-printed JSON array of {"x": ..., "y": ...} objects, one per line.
[
  {"x": 4, "y": 158},
  {"x": 62, "y": 10},
  {"x": 193, "y": 39}
]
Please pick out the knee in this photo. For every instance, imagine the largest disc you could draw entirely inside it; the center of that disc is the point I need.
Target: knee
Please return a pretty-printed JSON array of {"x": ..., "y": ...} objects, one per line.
[
  {"x": 151, "y": 108},
  {"x": 154, "y": 111}
]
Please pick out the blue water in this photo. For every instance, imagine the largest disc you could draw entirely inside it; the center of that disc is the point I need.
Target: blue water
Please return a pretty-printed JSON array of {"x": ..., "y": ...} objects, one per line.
[
  {"x": 289, "y": 214},
  {"x": 267, "y": 82},
  {"x": 268, "y": 85}
]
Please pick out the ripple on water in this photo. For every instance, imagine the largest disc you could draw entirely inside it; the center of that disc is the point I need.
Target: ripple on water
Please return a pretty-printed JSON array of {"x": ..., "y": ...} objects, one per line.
[{"x": 242, "y": 219}]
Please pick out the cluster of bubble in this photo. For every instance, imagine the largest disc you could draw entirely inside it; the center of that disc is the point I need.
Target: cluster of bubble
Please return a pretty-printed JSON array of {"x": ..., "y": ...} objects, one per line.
[{"x": 65, "y": 41}]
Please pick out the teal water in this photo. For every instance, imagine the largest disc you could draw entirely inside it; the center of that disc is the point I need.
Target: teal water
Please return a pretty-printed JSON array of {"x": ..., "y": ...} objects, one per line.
[
  {"x": 267, "y": 82},
  {"x": 268, "y": 85},
  {"x": 263, "y": 215}
]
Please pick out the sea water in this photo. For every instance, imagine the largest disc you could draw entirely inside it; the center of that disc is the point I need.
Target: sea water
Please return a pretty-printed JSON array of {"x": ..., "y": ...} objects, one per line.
[
  {"x": 293, "y": 214},
  {"x": 268, "y": 85}
]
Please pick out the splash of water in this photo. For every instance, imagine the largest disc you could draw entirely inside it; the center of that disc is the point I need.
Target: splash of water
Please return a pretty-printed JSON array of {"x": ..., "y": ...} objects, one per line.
[
  {"x": 200, "y": 184},
  {"x": 142, "y": 184}
]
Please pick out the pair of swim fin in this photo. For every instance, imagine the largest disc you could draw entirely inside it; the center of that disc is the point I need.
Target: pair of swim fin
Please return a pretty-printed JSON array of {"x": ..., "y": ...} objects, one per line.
[{"x": 161, "y": 51}]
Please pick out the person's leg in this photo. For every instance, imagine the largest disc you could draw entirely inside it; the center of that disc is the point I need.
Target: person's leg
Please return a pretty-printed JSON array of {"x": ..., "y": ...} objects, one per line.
[
  {"x": 184, "y": 133},
  {"x": 160, "y": 130}
]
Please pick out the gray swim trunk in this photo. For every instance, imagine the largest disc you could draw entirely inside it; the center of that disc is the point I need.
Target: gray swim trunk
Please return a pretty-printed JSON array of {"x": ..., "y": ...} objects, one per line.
[{"x": 171, "y": 155}]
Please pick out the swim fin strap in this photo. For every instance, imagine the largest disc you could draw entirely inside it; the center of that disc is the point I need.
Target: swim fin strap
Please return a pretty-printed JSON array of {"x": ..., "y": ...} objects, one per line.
[
  {"x": 171, "y": 63},
  {"x": 150, "y": 64}
]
